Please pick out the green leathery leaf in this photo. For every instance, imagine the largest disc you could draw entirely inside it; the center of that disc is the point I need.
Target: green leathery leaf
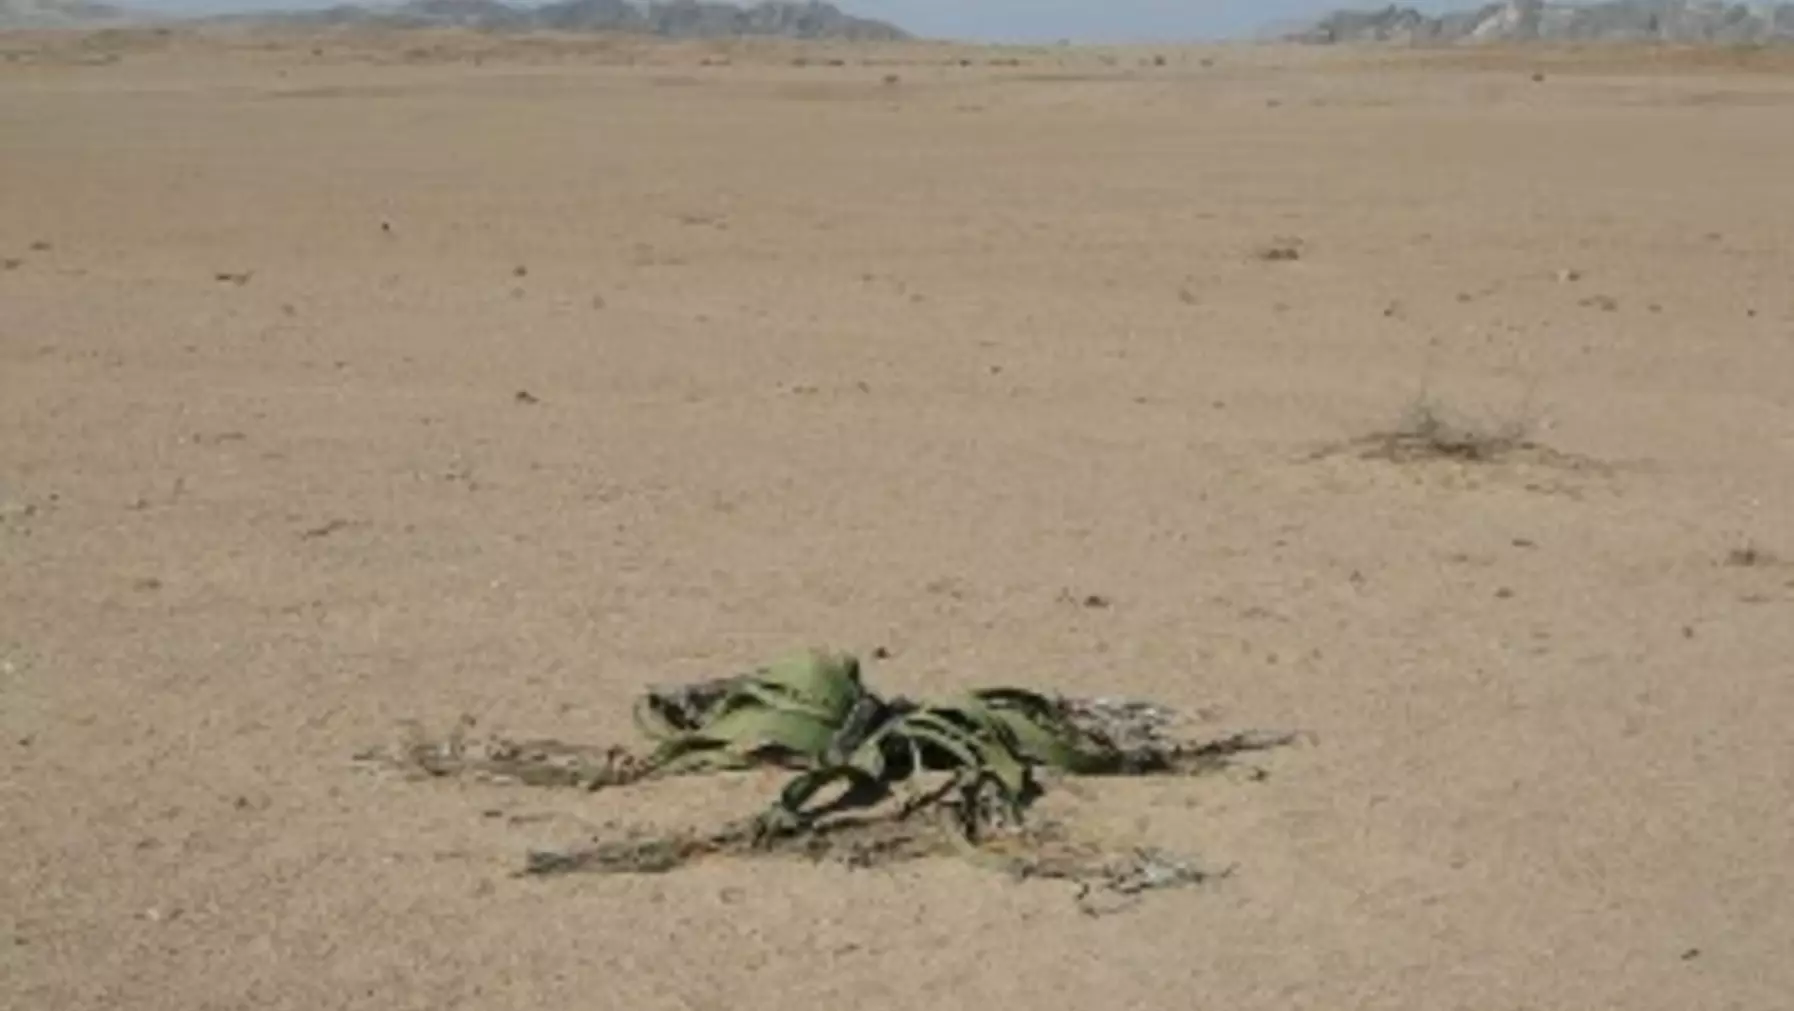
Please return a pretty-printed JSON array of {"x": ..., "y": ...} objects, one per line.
[
  {"x": 752, "y": 694},
  {"x": 976, "y": 720},
  {"x": 825, "y": 681},
  {"x": 652, "y": 722},
  {"x": 813, "y": 682},
  {"x": 749, "y": 732},
  {"x": 998, "y": 751},
  {"x": 869, "y": 757},
  {"x": 649, "y": 721},
  {"x": 1009, "y": 771},
  {"x": 929, "y": 726},
  {"x": 1000, "y": 755},
  {"x": 795, "y": 705},
  {"x": 983, "y": 753},
  {"x": 1042, "y": 733},
  {"x": 876, "y": 752},
  {"x": 805, "y": 786},
  {"x": 692, "y": 753}
]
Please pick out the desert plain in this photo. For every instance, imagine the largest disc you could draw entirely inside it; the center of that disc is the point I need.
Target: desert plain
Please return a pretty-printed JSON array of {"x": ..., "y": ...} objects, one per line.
[{"x": 354, "y": 379}]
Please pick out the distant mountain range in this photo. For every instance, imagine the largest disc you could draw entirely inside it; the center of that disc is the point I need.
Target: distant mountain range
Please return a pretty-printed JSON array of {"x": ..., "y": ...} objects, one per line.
[
  {"x": 681, "y": 19},
  {"x": 61, "y": 14},
  {"x": 1675, "y": 21},
  {"x": 1672, "y": 21}
]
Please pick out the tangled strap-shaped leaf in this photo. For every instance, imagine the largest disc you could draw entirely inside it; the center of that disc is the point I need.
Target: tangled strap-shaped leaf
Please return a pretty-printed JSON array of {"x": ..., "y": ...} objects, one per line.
[{"x": 812, "y": 713}]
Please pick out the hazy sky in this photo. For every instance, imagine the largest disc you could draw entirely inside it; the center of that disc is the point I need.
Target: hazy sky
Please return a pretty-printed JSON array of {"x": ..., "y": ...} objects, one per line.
[{"x": 1018, "y": 20}]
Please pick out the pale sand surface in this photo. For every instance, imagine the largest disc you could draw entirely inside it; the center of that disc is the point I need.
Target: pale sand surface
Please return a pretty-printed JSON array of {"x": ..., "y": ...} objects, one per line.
[{"x": 821, "y": 359}]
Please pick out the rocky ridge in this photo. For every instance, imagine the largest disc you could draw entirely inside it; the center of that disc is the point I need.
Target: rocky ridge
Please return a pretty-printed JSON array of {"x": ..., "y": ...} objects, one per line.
[
  {"x": 678, "y": 19},
  {"x": 1660, "y": 21}
]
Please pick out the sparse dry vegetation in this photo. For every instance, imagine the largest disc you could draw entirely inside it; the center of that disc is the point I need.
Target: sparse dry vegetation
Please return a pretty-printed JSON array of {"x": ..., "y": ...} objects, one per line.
[{"x": 1430, "y": 430}]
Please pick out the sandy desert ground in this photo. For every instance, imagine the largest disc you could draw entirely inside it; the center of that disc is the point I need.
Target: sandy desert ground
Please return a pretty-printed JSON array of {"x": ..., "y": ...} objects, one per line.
[{"x": 811, "y": 356}]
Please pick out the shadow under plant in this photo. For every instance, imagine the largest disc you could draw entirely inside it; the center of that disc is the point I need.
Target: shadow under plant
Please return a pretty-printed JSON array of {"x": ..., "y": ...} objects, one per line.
[{"x": 875, "y": 780}]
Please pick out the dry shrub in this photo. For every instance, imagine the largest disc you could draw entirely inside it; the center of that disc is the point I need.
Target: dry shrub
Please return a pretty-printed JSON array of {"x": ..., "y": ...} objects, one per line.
[{"x": 1429, "y": 429}]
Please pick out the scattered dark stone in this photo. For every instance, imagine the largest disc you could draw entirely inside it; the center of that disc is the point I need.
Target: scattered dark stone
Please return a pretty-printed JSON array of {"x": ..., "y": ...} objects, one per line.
[
  {"x": 1538, "y": 78},
  {"x": 520, "y": 271},
  {"x": 1523, "y": 542},
  {"x": 386, "y": 226},
  {"x": 1691, "y": 954},
  {"x": 1158, "y": 61},
  {"x": 526, "y": 397},
  {"x": 947, "y": 586},
  {"x": 11, "y": 263},
  {"x": 1605, "y": 303},
  {"x": 892, "y": 80},
  {"x": 1504, "y": 594},
  {"x": 147, "y": 585},
  {"x": 1093, "y": 601},
  {"x": 1281, "y": 250},
  {"x": 881, "y": 653},
  {"x": 41, "y": 246},
  {"x": 236, "y": 277},
  {"x": 323, "y": 530}
]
